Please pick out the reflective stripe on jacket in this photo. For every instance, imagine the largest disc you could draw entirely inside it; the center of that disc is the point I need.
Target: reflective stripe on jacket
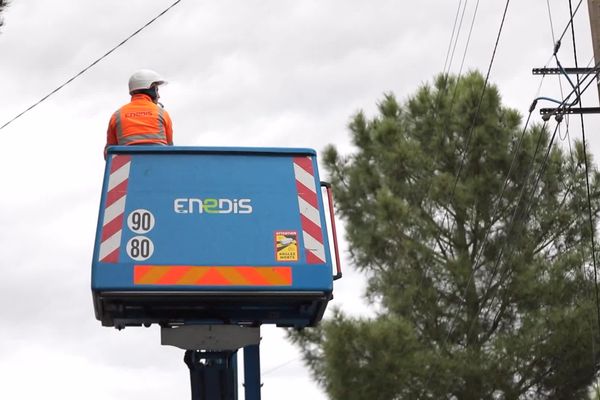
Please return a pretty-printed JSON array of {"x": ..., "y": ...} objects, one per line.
[{"x": 140, "y": 122}]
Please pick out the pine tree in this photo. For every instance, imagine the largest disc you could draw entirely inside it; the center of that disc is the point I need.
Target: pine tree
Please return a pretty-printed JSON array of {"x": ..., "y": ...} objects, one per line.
[
  {"x": 3, "y": 4},
  {"x": 475, "y": 240}
]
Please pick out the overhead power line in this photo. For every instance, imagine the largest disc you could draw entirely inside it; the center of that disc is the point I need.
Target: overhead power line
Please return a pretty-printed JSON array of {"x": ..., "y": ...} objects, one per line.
[
  {"x": 563, "y": 105},
  {"x": 470, "y": 135},
  {"x": 570, "y": 22},
  {"x": 452, "y": 35},
  {"x": 279, "y": 366},
  {"x": 487, "y": 77},
  {"x": 456, "y": 37},
  {"x": 559, "y": 114},
  {"x": 554, "y": 44},
  {"x": 467, "y": 145},
  {"x": 517, "y": 215},
  {"x": 587, "y": 177},
  {"x": 446, "y": 73},
  {"x": 89, "y": 66},
  {"x": 462, "y": 63}
]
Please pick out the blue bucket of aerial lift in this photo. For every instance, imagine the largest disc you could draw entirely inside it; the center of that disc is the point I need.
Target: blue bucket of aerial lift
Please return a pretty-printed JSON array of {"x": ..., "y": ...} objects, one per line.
[{"x": 192, "y": 235}]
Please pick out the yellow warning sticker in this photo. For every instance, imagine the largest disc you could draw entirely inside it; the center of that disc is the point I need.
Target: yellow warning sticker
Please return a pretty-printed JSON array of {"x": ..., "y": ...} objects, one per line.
[{"x": 286, "y": 246}]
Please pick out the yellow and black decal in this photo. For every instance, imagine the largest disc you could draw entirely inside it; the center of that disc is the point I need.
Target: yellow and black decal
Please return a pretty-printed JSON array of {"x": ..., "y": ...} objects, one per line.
[{"x": 286, "y": 246}]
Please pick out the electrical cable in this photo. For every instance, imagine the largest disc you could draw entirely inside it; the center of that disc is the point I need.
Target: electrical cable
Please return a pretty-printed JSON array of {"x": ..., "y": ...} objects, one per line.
[
  {"x": 504, "y": 186},
  {"x": 459, "y": 77},
  {"x": 563, "y": 105},
  {"x": 559, "y": 115},
  {"x": 470, "y": 135},
  {"x": 562, "y": 94},
  {"x": 462, "y": 63},
  {"x": 567, "y": 120},
  {"x": 548, "y": 152},
  {"x": 90, "y": 66},
  {"x": 542, "y": 168},
  {"x": 487, "y": 77},
  {"x": 472, "y": 129},
  {"x": 515, "y": 212},
  {"x": 279, "y": 366},
  {"x": 445, "y": 88},
  {"x": 463, "y": 59},
  {"x": 452, "y": 35},
  {"x": 551, "y": 23},
  {"x": 587, "y": 183},
  {"x": 529, "y": 202},
  {"x": 496, "y": 206},
  {"x": 471, "y": 276},
  {"x": 557, "y": 43},
  {"x": 494, "y": 270},
  {"x": 569, "y": 23},
  {"x": 457, "y": 36}
]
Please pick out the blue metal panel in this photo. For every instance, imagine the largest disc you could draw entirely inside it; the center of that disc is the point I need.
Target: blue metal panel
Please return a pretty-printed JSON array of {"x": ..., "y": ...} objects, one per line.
[
  {"x": 198, "y": 213},
  {"x": 208, "y": 207}
]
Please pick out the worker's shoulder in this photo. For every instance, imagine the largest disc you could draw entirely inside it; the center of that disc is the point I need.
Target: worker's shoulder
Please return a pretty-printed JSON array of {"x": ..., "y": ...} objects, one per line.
[
  {"x": 118, "y": 110},
  {"x": 134, "y": 104}
]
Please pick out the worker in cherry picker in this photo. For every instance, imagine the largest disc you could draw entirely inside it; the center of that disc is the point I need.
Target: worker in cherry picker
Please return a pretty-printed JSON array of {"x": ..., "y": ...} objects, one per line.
[{"x": 142, "y": 121}]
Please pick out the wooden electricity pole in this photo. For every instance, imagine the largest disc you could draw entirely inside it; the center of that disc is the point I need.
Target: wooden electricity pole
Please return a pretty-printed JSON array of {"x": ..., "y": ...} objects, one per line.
[{"x": 594, "y": 11}]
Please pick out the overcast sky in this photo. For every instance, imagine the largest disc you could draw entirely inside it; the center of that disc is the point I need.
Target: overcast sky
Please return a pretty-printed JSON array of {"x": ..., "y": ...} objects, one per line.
[{"x": 242, "y": 73}]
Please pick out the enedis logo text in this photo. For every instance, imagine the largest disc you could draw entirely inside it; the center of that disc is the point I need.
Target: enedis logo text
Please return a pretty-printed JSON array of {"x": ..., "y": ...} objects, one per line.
[
  {"x": 212, "y": 206},
  {"x": 137, "y": 114}
]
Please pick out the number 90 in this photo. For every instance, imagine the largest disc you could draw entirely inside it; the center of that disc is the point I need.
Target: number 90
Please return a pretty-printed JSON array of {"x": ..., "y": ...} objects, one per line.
[{"x": 140, "y": 221}]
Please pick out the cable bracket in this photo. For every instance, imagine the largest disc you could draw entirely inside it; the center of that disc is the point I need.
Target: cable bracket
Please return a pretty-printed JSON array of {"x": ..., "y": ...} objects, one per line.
[
  {"x": 571, "y": 110},
  {"x": 557, "y": 71}
]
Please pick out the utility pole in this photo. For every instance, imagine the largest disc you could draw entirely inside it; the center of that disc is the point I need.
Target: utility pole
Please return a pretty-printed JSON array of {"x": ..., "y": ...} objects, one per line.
[{"x": 594, "y": 11}]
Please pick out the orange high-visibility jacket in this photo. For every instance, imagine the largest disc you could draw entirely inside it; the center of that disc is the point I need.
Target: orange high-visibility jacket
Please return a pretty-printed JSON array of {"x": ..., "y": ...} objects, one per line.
[{"x": 140, "y": 122}]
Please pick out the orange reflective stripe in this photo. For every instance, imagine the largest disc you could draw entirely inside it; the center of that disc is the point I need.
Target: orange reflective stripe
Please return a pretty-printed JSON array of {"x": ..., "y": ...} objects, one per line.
[
  {"x": 211, "y": 276},
  {"x": 143, "y": 138}
]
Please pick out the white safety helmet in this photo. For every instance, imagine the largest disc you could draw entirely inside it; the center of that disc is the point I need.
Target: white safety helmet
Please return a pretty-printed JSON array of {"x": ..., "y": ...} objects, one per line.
[{"x": 144, "y": 79}]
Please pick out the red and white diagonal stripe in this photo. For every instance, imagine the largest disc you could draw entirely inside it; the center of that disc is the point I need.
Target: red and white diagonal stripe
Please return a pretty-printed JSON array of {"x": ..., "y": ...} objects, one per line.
[
  {"x": 114, "y": 209},
  {"x": 312, "y": 232}
]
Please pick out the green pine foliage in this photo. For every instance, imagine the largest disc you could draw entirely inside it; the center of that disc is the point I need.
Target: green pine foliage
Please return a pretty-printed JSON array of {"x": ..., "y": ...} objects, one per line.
[
  {"x": 3, "y": 4},
  {"x": 481, "y": 295}
]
